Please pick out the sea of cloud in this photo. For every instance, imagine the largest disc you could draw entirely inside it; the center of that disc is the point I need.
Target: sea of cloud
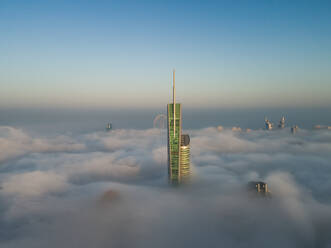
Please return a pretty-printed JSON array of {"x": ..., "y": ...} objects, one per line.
[{"x": 109, "y": 189}]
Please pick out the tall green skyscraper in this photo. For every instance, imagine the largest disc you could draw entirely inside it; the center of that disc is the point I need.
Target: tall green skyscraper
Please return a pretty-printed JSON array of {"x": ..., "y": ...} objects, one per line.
[{"x": 178, "y": 144}]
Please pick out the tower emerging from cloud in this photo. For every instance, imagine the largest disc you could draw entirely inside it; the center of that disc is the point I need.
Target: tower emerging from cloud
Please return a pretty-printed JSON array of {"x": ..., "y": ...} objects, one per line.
[{"x": 178, "y": 144}]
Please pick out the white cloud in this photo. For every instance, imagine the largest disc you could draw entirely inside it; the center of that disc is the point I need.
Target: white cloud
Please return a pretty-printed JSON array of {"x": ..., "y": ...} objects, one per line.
[
  {"x": 51, "y": 187},
  {"x": 35, "y": 183},
  {"x": 14, "y": 142}
]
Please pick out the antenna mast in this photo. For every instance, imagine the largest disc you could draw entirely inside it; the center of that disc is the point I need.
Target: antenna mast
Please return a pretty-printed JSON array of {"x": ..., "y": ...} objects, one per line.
[{"x": 174, "y": 99}]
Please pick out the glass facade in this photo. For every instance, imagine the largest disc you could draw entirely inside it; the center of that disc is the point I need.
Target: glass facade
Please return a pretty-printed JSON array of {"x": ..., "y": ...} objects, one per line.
[
  {"x": 174, "y": 138},
  {"x": 178, "y": 147},
  {"x": 185, "y": 163}
]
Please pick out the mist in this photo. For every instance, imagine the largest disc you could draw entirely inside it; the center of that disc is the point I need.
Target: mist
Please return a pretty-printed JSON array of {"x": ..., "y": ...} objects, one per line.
[
  {"x": 57, "y": 121},
  {"x": 109, "y": 189}
]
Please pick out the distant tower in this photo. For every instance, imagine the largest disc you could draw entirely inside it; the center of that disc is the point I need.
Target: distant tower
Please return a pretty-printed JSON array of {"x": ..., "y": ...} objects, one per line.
[
  {"x": 282, "y": 123},
  {"x": 260, "y": 188},
  {"x": 109, "y": 127},
  {"x": 268, "y": 124},
  {"x": 178, "y": 144},
  {"x": 294, "y": 129}
]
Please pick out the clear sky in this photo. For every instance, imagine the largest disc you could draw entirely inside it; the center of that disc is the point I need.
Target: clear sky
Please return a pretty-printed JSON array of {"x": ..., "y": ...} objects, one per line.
[{"x": 114, "y": 54}]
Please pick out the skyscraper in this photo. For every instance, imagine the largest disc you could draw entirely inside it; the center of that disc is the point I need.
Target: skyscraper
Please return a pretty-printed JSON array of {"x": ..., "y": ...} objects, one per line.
[
  {"x": 261, "y": 188},
  {"x": 268, "y": 124},
  {"x": 282, "y": 123},
  {"x": 185, "y": 171},
  {"x": 178, "y": 144}
]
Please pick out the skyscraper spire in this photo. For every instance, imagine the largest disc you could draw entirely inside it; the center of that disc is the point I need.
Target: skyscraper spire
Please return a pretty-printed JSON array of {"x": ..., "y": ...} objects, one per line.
[
  {"x": 178, "y": 144},
  {"x": 174, "y": 98}
]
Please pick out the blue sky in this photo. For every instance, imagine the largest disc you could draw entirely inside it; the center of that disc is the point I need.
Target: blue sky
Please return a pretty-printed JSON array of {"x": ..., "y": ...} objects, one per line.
[{"x": 114, "y": 54}]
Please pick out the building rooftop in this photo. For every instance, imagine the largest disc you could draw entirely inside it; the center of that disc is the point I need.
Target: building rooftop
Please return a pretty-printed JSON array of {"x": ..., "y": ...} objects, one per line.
[{"x": 259, "y": 187}]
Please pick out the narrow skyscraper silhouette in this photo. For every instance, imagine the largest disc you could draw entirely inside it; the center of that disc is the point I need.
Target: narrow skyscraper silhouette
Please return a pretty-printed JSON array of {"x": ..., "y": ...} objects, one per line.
[{"x": 178, "y": 144}]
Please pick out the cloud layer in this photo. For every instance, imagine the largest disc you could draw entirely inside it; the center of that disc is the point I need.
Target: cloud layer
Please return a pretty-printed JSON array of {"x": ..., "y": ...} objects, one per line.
[{"x": 110, "y": 190}]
